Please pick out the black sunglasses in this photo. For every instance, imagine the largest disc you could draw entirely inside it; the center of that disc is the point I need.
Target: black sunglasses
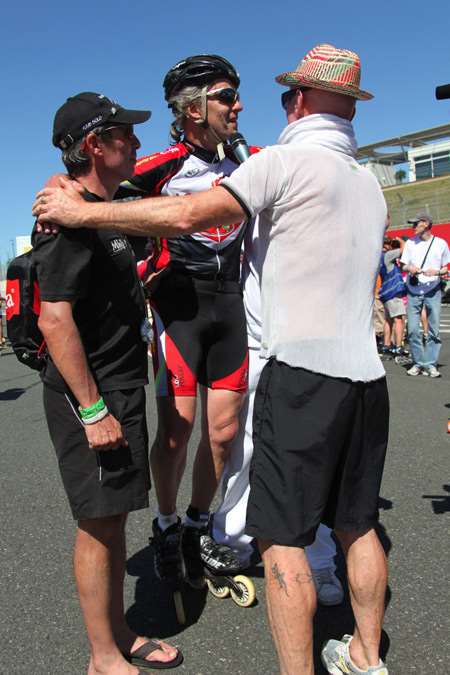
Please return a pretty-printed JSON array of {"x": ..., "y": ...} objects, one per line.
[
  {"x": 126, "y": 129},
  {"x": 288, "y": 96},
  {"x": 226, "y": 95}
]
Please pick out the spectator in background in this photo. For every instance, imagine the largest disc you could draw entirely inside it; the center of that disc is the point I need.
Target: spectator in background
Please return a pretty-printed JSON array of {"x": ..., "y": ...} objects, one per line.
[
  {"x": 378, "y": 316},
  {"x": 2, "y": 337},
  {"x": 391, "y": 293},
  {"x": 425, "y": 258}
]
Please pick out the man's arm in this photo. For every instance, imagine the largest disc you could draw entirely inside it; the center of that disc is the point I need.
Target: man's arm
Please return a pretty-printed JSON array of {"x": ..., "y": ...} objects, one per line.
[
  {"x": 66, "y": 349},
  {"x": 159, "y": 216},
  {"x": 442, "y": 270}
]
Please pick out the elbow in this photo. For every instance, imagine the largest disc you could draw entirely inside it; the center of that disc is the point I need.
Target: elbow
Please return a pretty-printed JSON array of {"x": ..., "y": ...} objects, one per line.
[
  {"x": 189, "y": 227},
  {"x": 47, "y": 325},
  {"x": 192, "y": 215},
  {"x": 188, "y": 222},
  {"x": 50, "y": 322}
]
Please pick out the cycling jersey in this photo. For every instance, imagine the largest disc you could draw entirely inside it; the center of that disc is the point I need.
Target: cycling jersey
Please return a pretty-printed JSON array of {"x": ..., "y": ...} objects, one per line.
[
  {"x": 179, "y": 170},
  {"x": 199, "y": 320}
]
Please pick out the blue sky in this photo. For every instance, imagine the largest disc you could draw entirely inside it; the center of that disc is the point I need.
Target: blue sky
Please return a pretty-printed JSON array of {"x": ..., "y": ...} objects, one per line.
[{"x": 51, "y": 50}]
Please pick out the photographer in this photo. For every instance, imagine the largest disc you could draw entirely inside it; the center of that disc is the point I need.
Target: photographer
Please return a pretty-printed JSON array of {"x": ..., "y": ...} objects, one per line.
[{"x": 425, "y": 258}]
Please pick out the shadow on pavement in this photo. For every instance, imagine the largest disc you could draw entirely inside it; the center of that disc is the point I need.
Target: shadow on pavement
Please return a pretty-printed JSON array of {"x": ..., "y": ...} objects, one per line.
[
  {"x": 440, "y": 503},
  {"x": 15, "y": 392},
  {"x": 11, "y": 394},
  {"x": 153, "y": 612}
]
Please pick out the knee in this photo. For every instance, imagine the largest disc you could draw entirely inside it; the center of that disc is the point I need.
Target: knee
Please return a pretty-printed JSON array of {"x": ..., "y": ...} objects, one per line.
[
  {"x": 347, "y": 539},
  {"x": 173, "y": 440},
  {"x": 222, "y": 433}
]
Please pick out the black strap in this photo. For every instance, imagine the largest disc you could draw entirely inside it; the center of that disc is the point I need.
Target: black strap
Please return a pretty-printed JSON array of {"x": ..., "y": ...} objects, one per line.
[
  {"x": 426, "y": 254},
  {"x": 144, "y": 650}
]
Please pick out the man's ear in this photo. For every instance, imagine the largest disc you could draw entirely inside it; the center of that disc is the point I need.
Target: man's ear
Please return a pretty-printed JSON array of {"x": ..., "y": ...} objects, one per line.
[
  {"x": 299, "y": 104},
  {"x": 91, "y": 144},
  {"x": 193, "y": 111}
]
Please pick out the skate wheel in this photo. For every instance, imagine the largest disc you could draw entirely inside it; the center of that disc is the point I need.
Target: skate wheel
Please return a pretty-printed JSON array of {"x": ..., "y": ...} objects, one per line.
[
  {"x": 248, "y": 592},
  {"x": 179, "y": 607},
  {"x": 218, "y": 591}
]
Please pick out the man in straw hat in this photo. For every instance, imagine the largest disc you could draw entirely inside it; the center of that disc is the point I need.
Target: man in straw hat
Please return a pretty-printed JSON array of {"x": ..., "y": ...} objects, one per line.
[{"x": 321, "y": 408}]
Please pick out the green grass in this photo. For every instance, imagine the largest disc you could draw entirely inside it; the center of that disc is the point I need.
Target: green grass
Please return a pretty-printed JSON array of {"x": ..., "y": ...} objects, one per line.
[{"x": 431, "y": 195}]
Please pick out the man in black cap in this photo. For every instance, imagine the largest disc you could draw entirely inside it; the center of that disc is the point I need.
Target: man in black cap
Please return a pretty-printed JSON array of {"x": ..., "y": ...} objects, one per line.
[
  {"x": 425, "y": 258},
  {"x": 92, "y": 314}
]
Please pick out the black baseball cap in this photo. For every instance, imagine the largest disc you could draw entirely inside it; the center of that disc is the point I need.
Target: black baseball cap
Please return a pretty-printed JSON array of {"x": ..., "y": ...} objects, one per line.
[{"x": 83, "y": 112}]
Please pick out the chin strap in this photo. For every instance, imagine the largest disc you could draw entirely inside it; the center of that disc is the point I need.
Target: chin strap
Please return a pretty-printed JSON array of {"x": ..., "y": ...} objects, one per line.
[{"x": 205, "y": 124}]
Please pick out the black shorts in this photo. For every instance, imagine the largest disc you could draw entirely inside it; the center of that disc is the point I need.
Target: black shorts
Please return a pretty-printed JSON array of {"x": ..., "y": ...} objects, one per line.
[
  {"x": 200, "y": 336},
  {"x": 107, "y": 483},
  {"x": 319, "y": 449}
]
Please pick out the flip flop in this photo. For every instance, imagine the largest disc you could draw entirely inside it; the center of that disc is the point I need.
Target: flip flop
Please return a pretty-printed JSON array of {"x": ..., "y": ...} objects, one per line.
[{"x": 138, "y": 657}]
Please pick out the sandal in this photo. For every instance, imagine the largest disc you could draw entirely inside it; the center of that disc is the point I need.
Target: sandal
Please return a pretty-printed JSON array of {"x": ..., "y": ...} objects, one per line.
[{"x": 138, "y": 657}]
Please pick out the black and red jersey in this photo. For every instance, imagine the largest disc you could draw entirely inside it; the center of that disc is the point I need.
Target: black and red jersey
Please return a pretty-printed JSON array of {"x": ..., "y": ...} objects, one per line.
[{"x": 179, "y": 170}]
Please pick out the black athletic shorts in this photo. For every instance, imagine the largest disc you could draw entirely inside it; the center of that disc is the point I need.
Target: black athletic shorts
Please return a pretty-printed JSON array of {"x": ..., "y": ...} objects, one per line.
[
  {"x": 200, "y": 336},
  {"x": 319, "y": 449},
  {"x": 107, "y": 483}
]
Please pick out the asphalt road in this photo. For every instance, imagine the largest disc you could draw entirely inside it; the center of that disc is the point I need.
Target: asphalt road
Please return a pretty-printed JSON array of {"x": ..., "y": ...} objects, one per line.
[{"x": 41, "y": 630}]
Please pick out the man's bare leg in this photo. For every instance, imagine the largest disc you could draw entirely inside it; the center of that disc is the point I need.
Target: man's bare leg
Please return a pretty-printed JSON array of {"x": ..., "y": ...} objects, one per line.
[
  {"x": 399, "y": 329},
  {"x": 168, "y": 454},
  {"x": 220, "y": 420},
  {"x": 387, "y": 332},
  {"x": 367, "y": 578},
  {"x": 95, "y": 542},
  {"x": 126, "y": 639},
  {"x": 291, "y": 604}
]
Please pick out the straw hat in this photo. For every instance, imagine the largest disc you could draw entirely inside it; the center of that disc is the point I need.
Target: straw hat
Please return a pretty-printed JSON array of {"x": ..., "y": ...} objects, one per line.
[{"x": 329, "y": 68}]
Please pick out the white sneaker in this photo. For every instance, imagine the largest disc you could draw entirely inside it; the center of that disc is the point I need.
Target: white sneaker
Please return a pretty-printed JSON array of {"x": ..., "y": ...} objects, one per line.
[
  {"x": 433, "y": 371},
  {"x": 336, "y": 659},
  {"x": 414, "y": 370},
  {"x": 328, "y": 587}
]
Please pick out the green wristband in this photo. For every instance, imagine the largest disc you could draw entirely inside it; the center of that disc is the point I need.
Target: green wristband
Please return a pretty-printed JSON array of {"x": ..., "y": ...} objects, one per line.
[{"x": 92, "y": 410}]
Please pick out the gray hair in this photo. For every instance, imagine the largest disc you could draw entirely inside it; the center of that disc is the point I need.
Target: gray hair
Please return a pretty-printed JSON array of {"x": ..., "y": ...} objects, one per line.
[
  {"x": 76, "y": 161},
  {"x": 178, "y": 103}
]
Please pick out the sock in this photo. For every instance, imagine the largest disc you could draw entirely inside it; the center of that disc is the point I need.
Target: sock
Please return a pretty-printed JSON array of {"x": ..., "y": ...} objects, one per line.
[
  {"x": 165, "y": 521},
  {"x": 357, "y": 668},
  {"x": 196, "y": 518}
]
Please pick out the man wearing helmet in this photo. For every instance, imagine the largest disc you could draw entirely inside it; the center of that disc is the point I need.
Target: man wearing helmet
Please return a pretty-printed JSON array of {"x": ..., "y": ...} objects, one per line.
[{"x": 199, "y": 320}]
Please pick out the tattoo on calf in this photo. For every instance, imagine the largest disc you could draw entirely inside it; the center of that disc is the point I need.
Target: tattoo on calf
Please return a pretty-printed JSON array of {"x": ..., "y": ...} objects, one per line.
[
  {"x": 303, "y": 578},
  {"x": 279, "y": 576}
]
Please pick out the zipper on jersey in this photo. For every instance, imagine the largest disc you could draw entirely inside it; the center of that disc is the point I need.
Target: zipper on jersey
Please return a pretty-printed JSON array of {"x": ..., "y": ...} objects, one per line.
[{"x": 219, "y": 265}]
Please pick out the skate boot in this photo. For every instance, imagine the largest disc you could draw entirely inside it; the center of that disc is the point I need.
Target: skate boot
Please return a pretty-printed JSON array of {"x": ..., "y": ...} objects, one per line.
[
  {"x": 195, "y": 575},
  {"x": 168, "y": 562},
  {"x": 222, "y": 567}
]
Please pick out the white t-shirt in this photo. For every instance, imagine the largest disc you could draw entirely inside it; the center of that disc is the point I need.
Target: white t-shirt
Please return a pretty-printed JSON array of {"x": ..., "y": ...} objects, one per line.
[
  {"x": 254, "y": 254},
  {"x": 321, "y": 226},
  {"x": 438, "y": 256}
]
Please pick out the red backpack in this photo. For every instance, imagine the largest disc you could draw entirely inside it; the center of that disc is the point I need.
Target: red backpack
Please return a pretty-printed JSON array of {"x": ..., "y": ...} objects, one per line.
[{"x": 23, "y": 307}]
